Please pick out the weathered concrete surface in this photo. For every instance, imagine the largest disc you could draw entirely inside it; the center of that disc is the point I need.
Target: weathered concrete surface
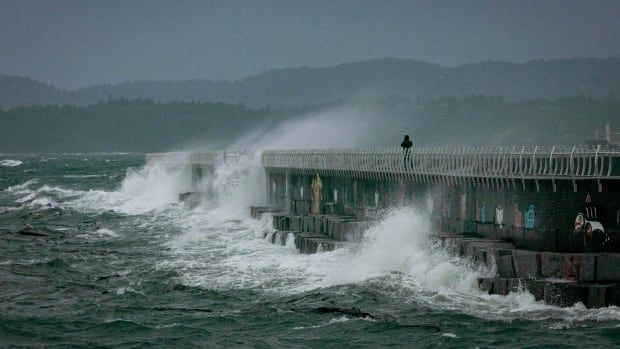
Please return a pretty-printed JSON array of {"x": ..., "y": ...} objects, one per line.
[
  {"x": 561, "y": 279},
  {"x": 257, "y": 212},
  {"x": 313, "y": 233},
  {"x": 608, "y": 267},
  {"x": 556, "y": 292},
  {"x": 551, "y": 265},
  {"x": 527, "y": 264}
]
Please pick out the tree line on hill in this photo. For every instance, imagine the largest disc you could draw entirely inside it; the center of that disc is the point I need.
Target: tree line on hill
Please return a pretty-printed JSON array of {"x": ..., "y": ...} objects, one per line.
[{"x": 144, "y": 125}]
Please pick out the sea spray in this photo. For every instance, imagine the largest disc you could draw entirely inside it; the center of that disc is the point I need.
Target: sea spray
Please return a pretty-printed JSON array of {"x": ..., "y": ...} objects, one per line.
[
  {"x": 153, "y": 187},
  {"x": 156, "y": 183},
  {"x": 221, "y": 248},
  {"x": 401, "y": 243},
  {"x": 290, "y": 241}
]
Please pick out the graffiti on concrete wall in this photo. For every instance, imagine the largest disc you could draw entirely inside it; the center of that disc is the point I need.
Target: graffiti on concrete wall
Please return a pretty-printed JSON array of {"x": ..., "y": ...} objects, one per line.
[
  {"x": 518, "y": 221},
  {"x": 499, "y": 216},
  {"x": 591, "y": 219},
  {"x": 530, "y": 216},
  {"x": 316, "y": 187}
]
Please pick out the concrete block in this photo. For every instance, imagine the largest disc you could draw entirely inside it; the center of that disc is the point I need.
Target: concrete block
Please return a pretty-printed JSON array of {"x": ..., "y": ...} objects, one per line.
[
  {"x": 486, "y": 285},
  {"x": 277, "y": 238},
  {"x": 460, "y": 248},
  {"x": 274, "y": 222},
  {"x": 587, "y": 272},
  {"x": 565, "y": 294},
  {"x": 536, "y": 288},
  {"x": 580, "y": 267},
  {"x": 480, "y": 256},
  {"x": 613, "y": 294},
  {"x": 597, "y": 296},
  {"x": 286, "y": 223},
  {"x": 330, "y": 228},
  {"x": 329, "y": 208},
  {"x": 608, "y": 267},
  {"x": 338, "y": 233},
  {"x": 324, "y": 222},
  {"x": 312, "y": 244},
  {"x": 316, "y": 224},
  {"x": 305, "y": 243},
  {"x": 551, "y": 265},
  {"x": 554, "y": 293},
  {"x": 577, "y": 293},
  {"x": 504, "y": 266},
  {"x": 302, "y": 207},
  {"x": 295, "y": 223},
  {"x": 354, "y": 231},
  {"x": 514, "y": 285},
  {"x": 468, "y": 249},
  {"x": 500, "y": 286},
  {"x": 311, "y": 219},
  {"x": 527, "y": 264}
]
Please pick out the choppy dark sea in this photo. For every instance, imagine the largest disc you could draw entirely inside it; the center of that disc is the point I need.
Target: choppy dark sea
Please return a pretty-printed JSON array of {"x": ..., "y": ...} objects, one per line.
[{"x": 95, "y": 251}]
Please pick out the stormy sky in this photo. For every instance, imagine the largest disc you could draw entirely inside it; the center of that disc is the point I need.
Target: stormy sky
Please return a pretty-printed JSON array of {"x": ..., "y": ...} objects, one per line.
[{"x": 78, "y": 43}]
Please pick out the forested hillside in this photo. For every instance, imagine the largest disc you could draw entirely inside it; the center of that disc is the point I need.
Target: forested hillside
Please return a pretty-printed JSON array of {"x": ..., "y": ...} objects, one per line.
[
  {"x": 142, "y": 125},
  {"x": 303, "y": 86}
]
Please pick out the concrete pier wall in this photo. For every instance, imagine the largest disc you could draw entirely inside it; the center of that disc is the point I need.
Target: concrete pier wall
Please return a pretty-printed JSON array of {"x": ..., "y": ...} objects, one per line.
[
  {"x": 535, "y": 212},
  {"x": 199, "y": 164},
  {"x": 535, "y": 218}
]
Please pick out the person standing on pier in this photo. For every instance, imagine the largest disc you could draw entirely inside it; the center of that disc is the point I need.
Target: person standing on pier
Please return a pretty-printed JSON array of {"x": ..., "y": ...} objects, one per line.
[{"x": 406, "y": 145}]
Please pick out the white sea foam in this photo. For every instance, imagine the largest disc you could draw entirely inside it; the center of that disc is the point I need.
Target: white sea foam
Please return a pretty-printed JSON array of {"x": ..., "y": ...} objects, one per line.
[
  {"x": 150, "y": 188},
  {"x": 106, "y": 232},
  {"x": 396, "y": 256},
  {"x": 21, "y": 188},
  {"x": 10, "y": 163},
  {"x": 219, "y": 247}
]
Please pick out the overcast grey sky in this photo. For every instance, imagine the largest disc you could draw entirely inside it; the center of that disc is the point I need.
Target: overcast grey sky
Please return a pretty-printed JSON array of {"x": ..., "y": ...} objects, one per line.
[{"x": 79, "y": 43}]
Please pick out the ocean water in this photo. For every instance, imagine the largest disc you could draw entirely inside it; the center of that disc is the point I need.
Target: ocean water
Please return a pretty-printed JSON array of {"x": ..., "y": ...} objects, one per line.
[{"x": 116, "y": 261}]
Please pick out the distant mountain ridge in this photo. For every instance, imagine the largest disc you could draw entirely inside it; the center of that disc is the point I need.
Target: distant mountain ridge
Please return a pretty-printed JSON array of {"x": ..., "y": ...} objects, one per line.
[{"x": 302, "y": 86}]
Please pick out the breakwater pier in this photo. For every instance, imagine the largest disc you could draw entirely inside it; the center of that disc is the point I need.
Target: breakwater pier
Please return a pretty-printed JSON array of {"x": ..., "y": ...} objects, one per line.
[{"x": 546, "y": 219}]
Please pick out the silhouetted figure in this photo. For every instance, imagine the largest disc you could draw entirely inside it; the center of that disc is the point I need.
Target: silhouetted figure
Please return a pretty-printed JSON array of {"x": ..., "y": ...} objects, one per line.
[{"x": 406, "y": 145}]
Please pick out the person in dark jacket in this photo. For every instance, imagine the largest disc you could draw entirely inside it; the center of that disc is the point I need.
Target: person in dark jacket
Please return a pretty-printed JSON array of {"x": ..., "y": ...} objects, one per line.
[{"x": 406, "y": 145}]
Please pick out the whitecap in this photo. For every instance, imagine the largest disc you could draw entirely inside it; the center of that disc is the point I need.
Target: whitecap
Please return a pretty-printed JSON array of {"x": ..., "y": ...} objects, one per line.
[{"x": 10, "y": 163}]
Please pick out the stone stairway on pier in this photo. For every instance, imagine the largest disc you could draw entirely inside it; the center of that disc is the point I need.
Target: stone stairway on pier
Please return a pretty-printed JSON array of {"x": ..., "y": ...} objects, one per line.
[{"x": 312, "y": 233}]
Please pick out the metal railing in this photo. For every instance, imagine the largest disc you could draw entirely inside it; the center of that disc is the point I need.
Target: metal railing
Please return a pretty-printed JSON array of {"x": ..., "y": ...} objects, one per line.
[{"x": 453, "y": 164}]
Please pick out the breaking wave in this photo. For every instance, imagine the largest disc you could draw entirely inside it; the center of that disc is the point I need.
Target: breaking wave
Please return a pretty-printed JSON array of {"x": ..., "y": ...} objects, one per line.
[
  {"x": 217, "y": 246},
  {"x": 10, "y": 163}
]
